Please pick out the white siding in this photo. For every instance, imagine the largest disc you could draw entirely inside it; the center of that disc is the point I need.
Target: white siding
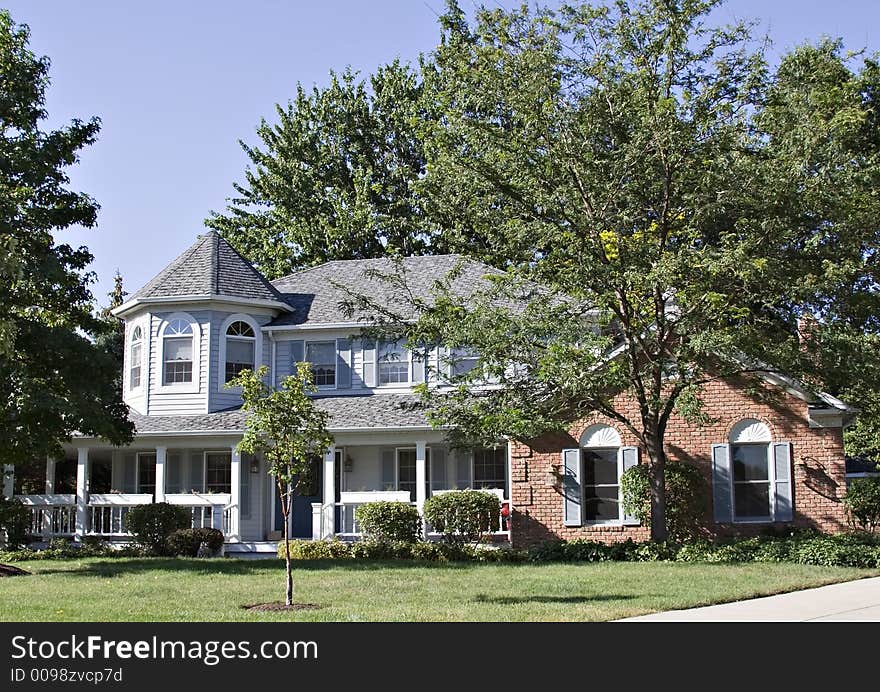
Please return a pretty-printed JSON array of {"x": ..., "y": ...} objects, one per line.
[
  {"x": 219, "y": 398},
  {"x": 170, "y": 402}
]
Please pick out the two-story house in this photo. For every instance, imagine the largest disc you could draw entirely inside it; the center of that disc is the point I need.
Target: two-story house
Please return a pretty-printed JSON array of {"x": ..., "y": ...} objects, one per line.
[{"x": 210, "y": 314}]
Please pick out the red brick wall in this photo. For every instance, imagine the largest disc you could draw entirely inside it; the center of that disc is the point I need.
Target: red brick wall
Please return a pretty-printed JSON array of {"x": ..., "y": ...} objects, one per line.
[{"x": 817, "y": 457}]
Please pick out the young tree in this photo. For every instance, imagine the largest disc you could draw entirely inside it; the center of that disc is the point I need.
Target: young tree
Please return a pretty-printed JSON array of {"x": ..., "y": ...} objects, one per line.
[
  {"x": 57, "y": 380},
  {"x": 288, "y": 430},
  {"x": 334, "y": 178},
  {"x": 681, "y": 205}
]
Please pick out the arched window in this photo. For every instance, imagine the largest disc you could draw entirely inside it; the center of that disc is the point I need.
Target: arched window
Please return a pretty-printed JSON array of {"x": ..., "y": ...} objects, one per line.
[
  {"x": 600, "y": 449},
  {"x": 240, "y": 348},
  {"x": 752, "y": 476},
  {"x": 177, "y": 348},
  {"x": 135, "y": 358}
]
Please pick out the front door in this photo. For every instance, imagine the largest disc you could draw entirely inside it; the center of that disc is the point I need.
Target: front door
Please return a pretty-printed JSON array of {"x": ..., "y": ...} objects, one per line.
[{"x": 304, "y": 495}]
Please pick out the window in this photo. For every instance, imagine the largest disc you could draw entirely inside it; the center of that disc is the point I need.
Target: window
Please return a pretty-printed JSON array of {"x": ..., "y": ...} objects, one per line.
[
  {"x": 490, "y": 468},
  {"x": 406, "y": 471},
  {"x": 462, "y": 361},
  {"x": 135, "y": 358},
  {"x": 218, "y": 472},
  {"x": 751, "y": 481},
  {"x": 240, "y": 341},
  {"x": 178, "y": 352},
  {"x": 393, "y": 363},
  {"x": 321, "y": 356},
  {"x": 146, "y": 481},
  {"x": 601, "y": 485}
]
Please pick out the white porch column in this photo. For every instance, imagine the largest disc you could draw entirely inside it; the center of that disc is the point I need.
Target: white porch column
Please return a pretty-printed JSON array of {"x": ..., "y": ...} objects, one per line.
[
  {"x": 235, "y": 494},
  {"x": 8, "y": 480},
  {"x": 82, "y": 491},
  {"x": 50, "y": 476},
  {"x": 330, "y": 491},
  {"x": 161, "y": 456},
  {"x": 421, "y": 479}
]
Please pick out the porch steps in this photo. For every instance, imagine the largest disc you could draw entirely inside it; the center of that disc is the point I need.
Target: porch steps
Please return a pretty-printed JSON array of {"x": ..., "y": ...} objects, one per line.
[{"x": 251, "y": 549}]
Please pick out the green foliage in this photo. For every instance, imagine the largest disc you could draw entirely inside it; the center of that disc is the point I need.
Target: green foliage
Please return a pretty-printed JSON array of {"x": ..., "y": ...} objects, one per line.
[
  {"x": 46, "y": 314},
  {"x": 335, "y": 177},
  {"x": 389, "y": 521},
  {"x": 63, "y": 549},
  {"x": 14, "y": 523},
  {"x": 686, "y": 492},
  {"x": 398, "y": 550},
  {"x": 152, "y": 524},
  {"x": 463, "y": 516},
  {"x": 186, "y": 542},
  {"x": 862, "y": 501}
]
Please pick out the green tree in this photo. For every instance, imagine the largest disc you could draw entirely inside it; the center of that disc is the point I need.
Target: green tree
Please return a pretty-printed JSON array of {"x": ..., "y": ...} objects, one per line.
[
  {"x": 288, "y": 430},
  {"x": 334, "y": 177},
  {"x": 56, "y": 379},
  {"x": 681, "y": 204}
]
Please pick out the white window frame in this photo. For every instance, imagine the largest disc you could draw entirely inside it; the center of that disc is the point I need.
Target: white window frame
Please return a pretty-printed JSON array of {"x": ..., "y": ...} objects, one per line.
[
  {"x": 221, "y": 358},
  {"x": 751, "y": 431},
  {"x": 137, "y": 471},
  {"x": 145, "y": 342},
  {"x": 473, "y": 479},
  {"x": 205, "y": 471},
  {"x": 379, "y": 363},
  {"x": 180, "y": 387},
  {"x": 332, "y": 342},
  {"x": 601, "y": 437}
]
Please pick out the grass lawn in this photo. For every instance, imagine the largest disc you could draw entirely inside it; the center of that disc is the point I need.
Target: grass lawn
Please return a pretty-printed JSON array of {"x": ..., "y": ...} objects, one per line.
[{"x": 98, "y": 589}]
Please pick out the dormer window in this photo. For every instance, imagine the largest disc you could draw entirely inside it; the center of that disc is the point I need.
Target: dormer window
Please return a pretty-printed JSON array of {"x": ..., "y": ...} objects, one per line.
[
  {"x": 240, "y": 348},
  {"x": 178, "y": 352},
  {"x": 135, "y": 358}
]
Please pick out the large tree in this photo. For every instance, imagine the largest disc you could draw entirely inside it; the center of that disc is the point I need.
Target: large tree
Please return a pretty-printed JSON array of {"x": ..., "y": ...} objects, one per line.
[
  {"x": 56, "y": 379},
  {"x": 334, "y": 177},
  {"x": 682, "y": 204}
]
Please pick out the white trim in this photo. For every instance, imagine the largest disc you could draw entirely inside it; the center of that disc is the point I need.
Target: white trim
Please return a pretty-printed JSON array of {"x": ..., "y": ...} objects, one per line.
[
  {"x": 771, "y": 485},
  {"x": 200, "y": 298},
  {"x": 205, "y": 454},
  {"x": 619, "y": 457},
  {"x": 749, "y": 430},
  {"x": 312, "y": 325},
  {"x": 127, "y": 362},
  {"x": 409, "y": 367},
  {"x": 324, "y": 387},
  {"x": 221, "y": 357},
  {"x": 137, "y": 472},
  {"x": 602, "y": 436},
  {"x": 192, "y": 387}
]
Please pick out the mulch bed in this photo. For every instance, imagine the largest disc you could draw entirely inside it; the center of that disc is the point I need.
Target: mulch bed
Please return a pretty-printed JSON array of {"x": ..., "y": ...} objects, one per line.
[
  {"x": 279, "y": 606},
  {"x": 10, "y": 571}
]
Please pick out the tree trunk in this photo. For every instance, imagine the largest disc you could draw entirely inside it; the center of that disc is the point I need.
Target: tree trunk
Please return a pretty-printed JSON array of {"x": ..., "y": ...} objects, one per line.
[
  {"x": 657, "y": 482},
  {"x": 285, "y": 513}
]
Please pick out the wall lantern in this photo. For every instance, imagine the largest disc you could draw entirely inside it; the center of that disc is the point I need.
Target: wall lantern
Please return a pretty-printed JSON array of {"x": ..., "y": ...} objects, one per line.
[
  {"x": 255, "y": 465},
  {"x": 554, "y": 474}
]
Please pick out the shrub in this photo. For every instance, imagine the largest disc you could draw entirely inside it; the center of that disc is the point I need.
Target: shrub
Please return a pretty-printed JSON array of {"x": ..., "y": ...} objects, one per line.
[
  {"x": 14, "y": 522},
  {"x": 862, "y": 502},
  {"x": 389, "y": 521},
  {"x": 187, "y": 541},
  {"x": 463, "y": 516},
  {"x": 152, "y": 524},
  {"x": 685, "y": 497}
]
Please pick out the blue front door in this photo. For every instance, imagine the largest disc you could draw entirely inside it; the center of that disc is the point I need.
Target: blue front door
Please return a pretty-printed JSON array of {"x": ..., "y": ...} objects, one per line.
[{"x": 304, "y": 494}]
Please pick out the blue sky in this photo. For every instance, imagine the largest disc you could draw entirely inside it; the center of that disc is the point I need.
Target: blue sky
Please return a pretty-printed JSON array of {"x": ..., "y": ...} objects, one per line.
[{"x": 177, "y": 84}]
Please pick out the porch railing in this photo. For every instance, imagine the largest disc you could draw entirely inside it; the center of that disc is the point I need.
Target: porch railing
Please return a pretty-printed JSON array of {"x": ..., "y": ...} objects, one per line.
[{"x": 51, "y": 516}]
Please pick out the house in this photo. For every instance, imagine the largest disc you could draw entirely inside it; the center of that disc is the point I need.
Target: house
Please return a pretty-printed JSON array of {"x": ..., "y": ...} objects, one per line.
[{"x": 210, "y": 314}]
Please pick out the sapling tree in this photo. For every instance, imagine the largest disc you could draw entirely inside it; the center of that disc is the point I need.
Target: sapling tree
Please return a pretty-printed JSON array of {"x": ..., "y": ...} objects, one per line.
[{"x": 286, "y": 428}]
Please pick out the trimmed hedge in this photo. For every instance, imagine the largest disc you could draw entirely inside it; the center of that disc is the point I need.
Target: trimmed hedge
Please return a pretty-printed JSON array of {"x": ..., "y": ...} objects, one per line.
[
  {"x": 14, "y": 521},
  {"x": 463, "y": 516},
  {"x": 389, "y": 521},
  {"x": 398, "y": 550},
  {"x": 152, "y": 524},
  {"x": 187, "y": 542},
  {"x": 62, "y": 549}
]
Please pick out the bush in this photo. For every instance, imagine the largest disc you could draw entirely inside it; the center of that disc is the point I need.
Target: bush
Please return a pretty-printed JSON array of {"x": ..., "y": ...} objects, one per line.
[
  {"x": 187, "y": 542},
  {"x": 862, "y": 502},
  {"x": 685, "y": 497},
  {"x": 15, "y": 519},
  {"x": 389, "y": 521},
  {"x": 463, "y": 516},
  {"x": 398, "y": 550},
  {"x": 152, "y": 524}
]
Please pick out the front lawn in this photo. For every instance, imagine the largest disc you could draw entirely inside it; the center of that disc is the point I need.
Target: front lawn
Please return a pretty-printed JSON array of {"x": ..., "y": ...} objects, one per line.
[{"x": 99, "y": 589}]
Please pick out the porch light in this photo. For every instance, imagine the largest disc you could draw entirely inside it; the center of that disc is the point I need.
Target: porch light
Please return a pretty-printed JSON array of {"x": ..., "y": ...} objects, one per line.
[
  {"x": 255, "y": 465},
  {"x": 554, "y": 474}
]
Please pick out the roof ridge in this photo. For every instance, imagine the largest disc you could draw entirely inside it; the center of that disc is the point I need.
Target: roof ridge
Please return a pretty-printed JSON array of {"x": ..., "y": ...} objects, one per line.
[{"x": 247, "y": 263}]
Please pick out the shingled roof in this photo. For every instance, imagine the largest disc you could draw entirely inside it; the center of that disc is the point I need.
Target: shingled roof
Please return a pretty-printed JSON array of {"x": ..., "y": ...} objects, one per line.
[
  {"x": 361, "y": 412},
  {"x": 210, "y": 268},
  {"x": 315, "y": 294}
]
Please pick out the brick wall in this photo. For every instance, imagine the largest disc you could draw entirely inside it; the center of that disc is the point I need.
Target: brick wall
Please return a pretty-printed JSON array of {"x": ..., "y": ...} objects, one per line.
[{"x": 817, "y": 457}]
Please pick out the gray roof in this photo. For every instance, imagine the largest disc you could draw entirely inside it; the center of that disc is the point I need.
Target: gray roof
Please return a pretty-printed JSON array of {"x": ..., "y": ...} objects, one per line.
[
  {"x": 209, "y": 267},
  {"x": 315, "y": 294},
  {"x": 346, "y": 412}
]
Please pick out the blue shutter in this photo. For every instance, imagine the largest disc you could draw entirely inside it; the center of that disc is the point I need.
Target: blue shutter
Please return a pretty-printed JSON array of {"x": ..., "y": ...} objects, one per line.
[
  {"x": 245, "y": 487},
  {"x": 343, "y": 359},
  {"x": 129, "y": 473},
  {"x": 389, "y": 477},
  {"x": 297, "y": 354},
  {"x": 629, "y": 457},
  {"x": 369, "y": 354},
  {"x": 172, "y": 473},
  {"x": 721, "y": 490},
  {"x": 571, "y": 487},
  {"x": 782, "y": 503}
]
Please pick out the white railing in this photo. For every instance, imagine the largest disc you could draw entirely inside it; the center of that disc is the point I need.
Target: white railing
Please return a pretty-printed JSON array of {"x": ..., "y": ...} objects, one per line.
[
  {"x": 230, "y": 520},
  {"x": 50, "y": 515},
  {"x": 107, "y": 512}
]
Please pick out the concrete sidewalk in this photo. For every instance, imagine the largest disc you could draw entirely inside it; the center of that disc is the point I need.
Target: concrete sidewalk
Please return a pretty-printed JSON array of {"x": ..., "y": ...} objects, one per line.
[{"x": 851, "y": 601}]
